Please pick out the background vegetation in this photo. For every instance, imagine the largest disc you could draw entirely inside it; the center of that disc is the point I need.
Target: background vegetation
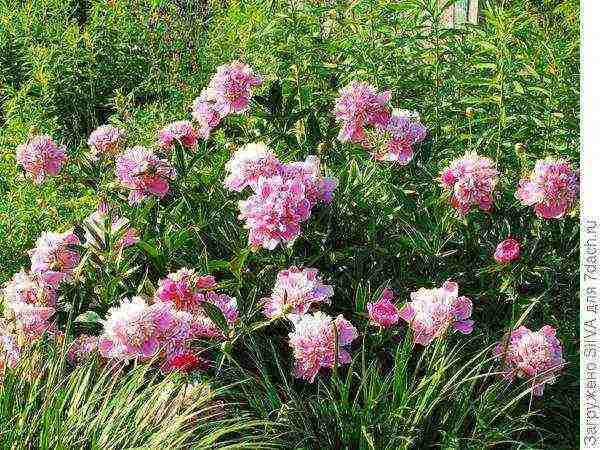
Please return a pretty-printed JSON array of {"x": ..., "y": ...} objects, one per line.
[{"x": 68, "y": 66}]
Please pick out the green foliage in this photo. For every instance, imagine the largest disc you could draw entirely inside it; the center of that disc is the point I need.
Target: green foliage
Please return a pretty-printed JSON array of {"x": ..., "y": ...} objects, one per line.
[{"x": 44, "y": 406}]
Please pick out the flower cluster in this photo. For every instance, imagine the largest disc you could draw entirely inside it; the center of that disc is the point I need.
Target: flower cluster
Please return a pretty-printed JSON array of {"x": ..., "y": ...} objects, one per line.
[
  {"x": 383, "y": 312},
  {"x": 228, "y": 92},
  {"x": 40, "y": 156},
  {"x": 30, "y": 297},
  {"x": 182, "y": 131},
  {"x": 367, "y": 119},
  {"x": 314, "y": 337},
  {"x": 295, "y": 291},
  {"x": 96, "y": 229},
  {"x": 432, "y": 312},
  {"x": 135, "y": 329},
  {"x": 105, "y": 140},
  {"x": 143, "y": 173},
  {"x": 358, "y": 106},
  {"x": 552, "y": 188},
  {"x": 284, "y": 194},
  {"x": 471, "y": 181},
  {"x": 313, "y": 342},
  {"x": 508, "y": 250},
  {"x": 536, "y": 356},
  {"x": 163, "y": 328}
]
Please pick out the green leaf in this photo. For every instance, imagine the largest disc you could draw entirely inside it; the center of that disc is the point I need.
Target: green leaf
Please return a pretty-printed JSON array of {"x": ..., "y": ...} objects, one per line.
[
  {"x": 216, "y": 315},
  {"x": 88, "y": 317},
  {"x": 149, "y": 248}
]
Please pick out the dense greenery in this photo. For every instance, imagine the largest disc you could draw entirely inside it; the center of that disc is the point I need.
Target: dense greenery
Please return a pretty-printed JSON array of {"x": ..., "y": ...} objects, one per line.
[{"x": 68, "y": 66}]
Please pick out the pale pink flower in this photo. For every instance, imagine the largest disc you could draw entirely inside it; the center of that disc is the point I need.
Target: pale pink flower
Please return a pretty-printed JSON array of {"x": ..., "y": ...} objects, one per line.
[
  {"x": 508, "y": 250},
  {"x": 313, "y": 342},
  {"x": 471, "y": 180},
  {"x": 141, "y": 171},
  {"x": 33, "y": 288},
  {"x": 230, "y": 89},
  {"x": 308, "y": 172},
  {"x": 10, "y": 351},
  {"x": 82, "y": 348},
  {"x": 105, "y": 140},
  {"x": 403, "y": 131},
  {"x": 248, "y": 164},
  {"x": 206, "y": 116},
  {"x": 182, "y": 131},
  {"x": 552, "y": 188},
  {"x": 358, "y": 106},
  {"x": 432, "y": 312},
  {"x": 96, "y": 230},
  {"x": 384, "y": 313},
  {"x": 40, "y": 156},
  {"x": 54, "y": 256},
  {"x": 185, "y": 289},
  {"x": 536, "y": 356},
  {"x": 295, "y": 291},
  {"x": 31, "y": 321},
  {"x": 273, "y": 214},
  {"x": 135, "y": 329},
  {"x": 228, "y": 92}
]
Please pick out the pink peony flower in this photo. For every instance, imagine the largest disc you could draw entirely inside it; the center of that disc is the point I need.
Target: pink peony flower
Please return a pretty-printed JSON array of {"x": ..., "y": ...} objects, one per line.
[
  {"x": 228, "y": 92},
  {"x": 280, "y": 202},
  {"x": 248, "y": 164},
  {"x": 552, "y": 188},
  {"x": 135, "y": 329},
  {"x": 308, "y": 172},
  {"x": 358, "y": 106},
  {"x": 96, "y": 232},
  {"x": 536, "y": 356},
  {"x": 141, "y": 171},
  {"x": 82, "y": 348},
  {"x": 403, "y": 131},
  {"x": 185, "y": 289},
  {"x": 53, "y": 256},
  {"x": 33, "y": 288},
  {"x": 206, "y": 116},
  {"x": 383, "y": 312},
  {"x": 10, "y": 351},
  {"x": 432, "y": 312},
  {"x": 471, "y": 180},
  {"x": 183, "y": 131},
  {"x": 40, "y": 156},
  {"x": 295, "y": 291},
  {"x": 507, "y": 251},
  {"x": 31, "y": 321},
  {"x": 313, "y": 342},
  {"x": 273, "y": 214},
  {"x": 105, "y": 140},
  {"x": 230, "y": 89}
]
